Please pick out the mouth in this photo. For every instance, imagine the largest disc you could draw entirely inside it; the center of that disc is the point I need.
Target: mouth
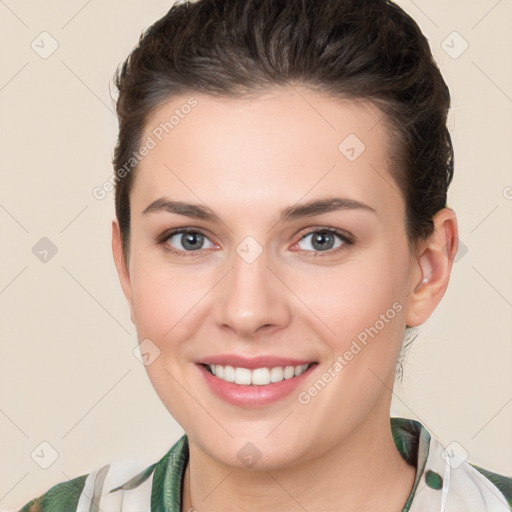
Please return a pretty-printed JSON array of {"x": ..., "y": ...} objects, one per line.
[
  {"x": 262, "y": 376},
  {"x": 256, "y": 381}
]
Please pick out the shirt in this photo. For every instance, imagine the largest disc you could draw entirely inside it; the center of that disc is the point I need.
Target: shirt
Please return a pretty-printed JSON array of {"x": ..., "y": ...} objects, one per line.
[{"x": 445, "y": 481}]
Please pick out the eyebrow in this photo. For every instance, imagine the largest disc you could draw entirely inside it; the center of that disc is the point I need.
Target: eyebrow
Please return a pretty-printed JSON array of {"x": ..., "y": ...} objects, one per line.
[{"x": 309, "y": 209}]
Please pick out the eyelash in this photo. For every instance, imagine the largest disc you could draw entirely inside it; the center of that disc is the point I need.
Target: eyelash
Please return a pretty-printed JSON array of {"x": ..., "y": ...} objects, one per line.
[{"x": 345, "y": 237}]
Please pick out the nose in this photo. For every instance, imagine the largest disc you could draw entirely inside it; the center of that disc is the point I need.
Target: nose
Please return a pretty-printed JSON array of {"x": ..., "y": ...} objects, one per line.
[{"x": 252, "y": 299}]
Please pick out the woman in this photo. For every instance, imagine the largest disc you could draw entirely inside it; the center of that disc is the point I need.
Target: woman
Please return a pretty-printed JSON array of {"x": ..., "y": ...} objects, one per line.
[{"x": 281, "y": 178}]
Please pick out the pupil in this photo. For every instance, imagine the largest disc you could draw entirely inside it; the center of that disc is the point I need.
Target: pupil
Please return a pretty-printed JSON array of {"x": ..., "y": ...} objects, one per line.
[
  {"x": 320, "y": 239},
  {"x": 191, "y": 240}
]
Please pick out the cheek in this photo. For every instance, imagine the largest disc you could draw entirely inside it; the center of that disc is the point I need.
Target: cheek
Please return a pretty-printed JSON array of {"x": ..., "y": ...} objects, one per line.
[
  {"x": 363, "y": 306},
  {"x": 163, "y": 300},
  {"x": 353, "y": 297}
]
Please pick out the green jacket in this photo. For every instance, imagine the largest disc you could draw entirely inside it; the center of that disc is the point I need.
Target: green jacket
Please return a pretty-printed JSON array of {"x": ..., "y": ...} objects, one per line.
[{"x": 445, "y": 481}]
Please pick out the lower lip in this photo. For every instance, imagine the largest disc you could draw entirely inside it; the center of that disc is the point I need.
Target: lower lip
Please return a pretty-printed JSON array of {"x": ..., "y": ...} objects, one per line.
[{"x": 253, "y": 395}]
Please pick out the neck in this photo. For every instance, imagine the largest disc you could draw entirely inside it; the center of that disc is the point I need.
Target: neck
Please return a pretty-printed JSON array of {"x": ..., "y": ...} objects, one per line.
[{"x": 362, "y": 472}]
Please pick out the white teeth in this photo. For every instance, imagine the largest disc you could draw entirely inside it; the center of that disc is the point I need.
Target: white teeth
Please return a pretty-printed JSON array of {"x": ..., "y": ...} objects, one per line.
[
  {"x": 242, "y": 376},
  {"x": 258, "y": 376},
  {"x": 229, "y": 374},
  {"x": 276, "y": 374},
  {"x": 289, "y": 372}
]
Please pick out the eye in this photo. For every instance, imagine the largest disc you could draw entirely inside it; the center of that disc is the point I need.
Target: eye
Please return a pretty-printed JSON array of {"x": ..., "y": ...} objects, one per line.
[
  {"x": 324, "y": 240},
  {"x": 191, "y": 240},
  {"x": 184, "y": 240}
]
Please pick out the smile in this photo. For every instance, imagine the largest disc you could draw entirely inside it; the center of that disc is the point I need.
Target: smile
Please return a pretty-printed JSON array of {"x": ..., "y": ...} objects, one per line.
[
  {"x": 255, "y": 381},
  {"x": 258, "y": 376}
]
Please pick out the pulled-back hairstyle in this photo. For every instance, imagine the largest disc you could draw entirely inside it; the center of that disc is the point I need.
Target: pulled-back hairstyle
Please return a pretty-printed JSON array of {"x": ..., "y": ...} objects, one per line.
[{"x": 368, "y": 50}]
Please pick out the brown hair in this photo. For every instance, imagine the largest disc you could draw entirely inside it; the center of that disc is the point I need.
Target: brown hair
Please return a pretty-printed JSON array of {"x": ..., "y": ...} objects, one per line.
[{"x": 357, "y": 49}]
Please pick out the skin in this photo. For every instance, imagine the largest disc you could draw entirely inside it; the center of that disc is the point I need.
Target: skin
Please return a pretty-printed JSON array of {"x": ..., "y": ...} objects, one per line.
[{"x": 247, "y": 159}]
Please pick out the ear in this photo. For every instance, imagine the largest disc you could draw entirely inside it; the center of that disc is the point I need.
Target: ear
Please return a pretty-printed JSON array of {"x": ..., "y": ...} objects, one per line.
[
  {"x": 121, "y": 265},
  {"x": 435, "y": 260}
]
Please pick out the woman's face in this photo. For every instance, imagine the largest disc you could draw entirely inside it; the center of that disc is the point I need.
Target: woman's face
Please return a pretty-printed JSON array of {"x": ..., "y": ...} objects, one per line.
[{"x": 259, "y": 277}]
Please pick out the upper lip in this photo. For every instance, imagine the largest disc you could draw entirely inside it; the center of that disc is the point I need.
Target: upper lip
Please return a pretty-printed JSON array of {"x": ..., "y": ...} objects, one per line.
[{"x": 253, "y": 362}]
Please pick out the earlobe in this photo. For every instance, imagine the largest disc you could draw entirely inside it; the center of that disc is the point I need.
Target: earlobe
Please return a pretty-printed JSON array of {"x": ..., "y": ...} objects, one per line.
[
  {"x": 121, "y": 265},
  {"x": 435, "y": 263}
]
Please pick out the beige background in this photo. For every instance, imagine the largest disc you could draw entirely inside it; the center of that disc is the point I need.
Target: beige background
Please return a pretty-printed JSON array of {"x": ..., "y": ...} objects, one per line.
[{"x": 68, "y": 373}]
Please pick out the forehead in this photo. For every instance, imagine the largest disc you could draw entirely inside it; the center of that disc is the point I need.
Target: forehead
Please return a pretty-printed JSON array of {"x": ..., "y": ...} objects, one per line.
[{"x": 276, "y": 148}]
